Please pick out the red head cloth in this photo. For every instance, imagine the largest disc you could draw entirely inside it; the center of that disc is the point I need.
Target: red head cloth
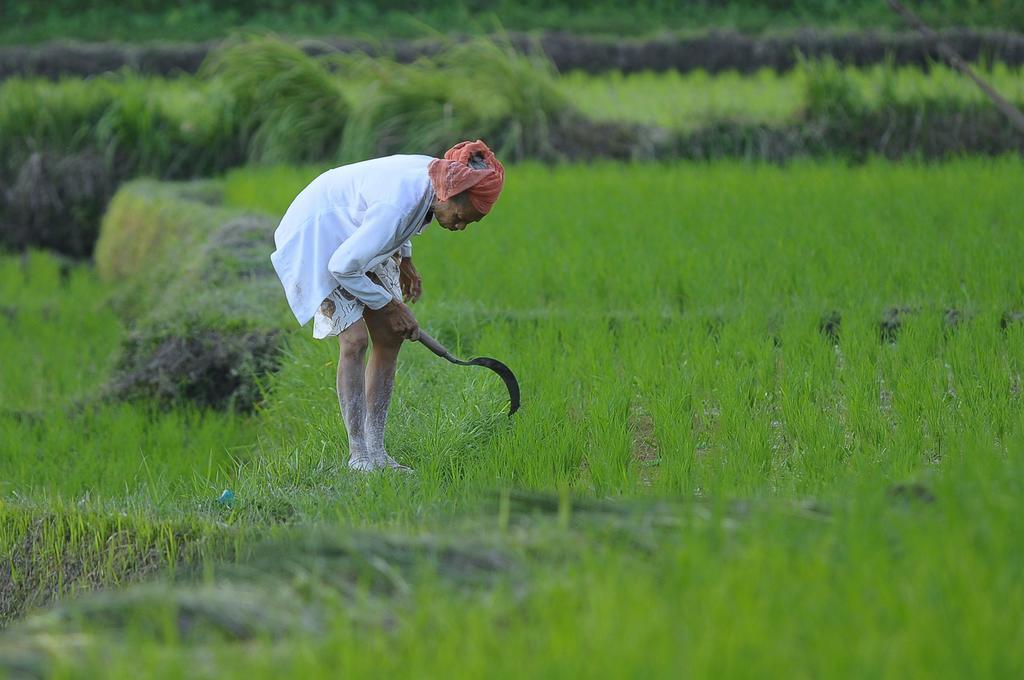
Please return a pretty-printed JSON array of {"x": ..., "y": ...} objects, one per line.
[{"x": 454, "y": 174}]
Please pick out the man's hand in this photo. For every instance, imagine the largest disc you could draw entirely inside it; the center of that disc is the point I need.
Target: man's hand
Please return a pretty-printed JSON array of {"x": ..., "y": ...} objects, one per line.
[
  {"x": 401, "y": 321},
  {"x": 409, "y": 278}
]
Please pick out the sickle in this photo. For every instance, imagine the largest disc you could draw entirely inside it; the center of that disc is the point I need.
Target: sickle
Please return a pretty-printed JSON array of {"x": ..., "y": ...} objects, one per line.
[{"x": 501, "y": 369}]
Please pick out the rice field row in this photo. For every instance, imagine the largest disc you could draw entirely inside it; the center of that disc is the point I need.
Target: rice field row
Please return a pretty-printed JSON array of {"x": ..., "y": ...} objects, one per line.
[{"x": 690, "y": 100}]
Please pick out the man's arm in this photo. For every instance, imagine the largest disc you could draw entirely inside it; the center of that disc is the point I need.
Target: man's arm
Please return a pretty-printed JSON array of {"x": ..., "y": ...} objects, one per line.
[
  {"x": 352, "y": 259},
  {"x": 412, "y": 284},
  {"x": 409, "y": 278}
]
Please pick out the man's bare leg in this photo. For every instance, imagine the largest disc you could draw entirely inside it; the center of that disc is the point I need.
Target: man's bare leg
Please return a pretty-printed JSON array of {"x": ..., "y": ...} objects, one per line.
[
  {"x": 380, "y": 382},
  {"x": 352, "y": 396}
]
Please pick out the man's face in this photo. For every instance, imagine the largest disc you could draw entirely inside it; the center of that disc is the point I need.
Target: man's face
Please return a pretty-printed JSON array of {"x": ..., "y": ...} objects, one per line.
[{"x": 456, "y": 213}]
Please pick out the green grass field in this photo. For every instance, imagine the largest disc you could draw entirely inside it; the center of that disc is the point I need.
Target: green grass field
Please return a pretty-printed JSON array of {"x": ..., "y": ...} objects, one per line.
[
  {"x": 669, "y": 99},
  {"x": 691, "y": 100},
  {"x": 772, "y": 426}
]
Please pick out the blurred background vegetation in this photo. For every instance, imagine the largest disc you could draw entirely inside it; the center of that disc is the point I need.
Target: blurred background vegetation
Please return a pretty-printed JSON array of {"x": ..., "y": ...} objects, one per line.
[
  {"x": 67, "y": 144},
  {"x": 25, "y": 20}
]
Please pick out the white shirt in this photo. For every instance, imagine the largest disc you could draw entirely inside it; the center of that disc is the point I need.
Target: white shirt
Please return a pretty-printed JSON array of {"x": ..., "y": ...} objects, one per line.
[{"x": 346, "y": 222}]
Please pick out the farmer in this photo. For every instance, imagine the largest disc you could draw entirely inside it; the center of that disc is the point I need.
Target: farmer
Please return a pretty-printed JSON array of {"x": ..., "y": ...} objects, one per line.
[{"x": 344, "y": 257}]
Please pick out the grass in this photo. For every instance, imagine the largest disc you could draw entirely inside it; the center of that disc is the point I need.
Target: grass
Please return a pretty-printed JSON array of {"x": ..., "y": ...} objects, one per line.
[
  {"x": 135, "y": 115},
  {"x": 66, "y": 146},
  {"x": 751, "y": 498},
  {"x": 260, "y": 99},
  {"x": 157, "y": 124},
  {"x": 25, "y": 21},
  {"x": 60, "y": 336},
  {"x": 693, "y": 100},
  {"x": 728, "y": 258}
]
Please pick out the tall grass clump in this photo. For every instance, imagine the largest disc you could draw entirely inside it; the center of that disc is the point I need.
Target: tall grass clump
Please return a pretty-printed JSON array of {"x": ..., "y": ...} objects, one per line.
[
  {"x": 684, "y": 101},
  {"x": 691, "y": 100},
  {"x": 829, "y": 92},
  {"x": 199, "y": 289},
  {"x": 65, "y": 147},
  {"x": 476, "y": 89},
  {"x": 155, "y": 126},
  {"x": 285, "y": 105}
]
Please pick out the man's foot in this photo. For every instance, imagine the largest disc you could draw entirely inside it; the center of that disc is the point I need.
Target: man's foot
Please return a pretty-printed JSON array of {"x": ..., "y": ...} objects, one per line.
[
  {"x": 386, "y": 461},
  {"x": 382, "y": 461},
  {"x": 363, "y": 462}
]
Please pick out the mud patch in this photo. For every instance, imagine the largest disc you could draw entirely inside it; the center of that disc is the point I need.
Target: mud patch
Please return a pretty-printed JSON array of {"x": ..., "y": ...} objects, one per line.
[
  {"x": 829, "y": 326},
  {"x": 1011, "y": 318},
  {"x": 644, "y": 445},
  {"x": 952, "y": 319},
  {"x": 911, "y": 492},
  {"x": 327, "y": 308},
  {"x": 892, "y": 323}
]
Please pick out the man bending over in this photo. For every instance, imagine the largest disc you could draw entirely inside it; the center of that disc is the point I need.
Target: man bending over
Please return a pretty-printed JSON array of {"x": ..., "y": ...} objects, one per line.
[{"x": 344, "y": 257}]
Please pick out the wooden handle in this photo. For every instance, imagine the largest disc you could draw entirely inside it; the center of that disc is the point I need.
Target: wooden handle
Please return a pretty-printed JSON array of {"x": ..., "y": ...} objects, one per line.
[
  {"x": 433, "y": 345},
  {"x": 1014, "y": 114},
  {"x": 436, "y": 347}
]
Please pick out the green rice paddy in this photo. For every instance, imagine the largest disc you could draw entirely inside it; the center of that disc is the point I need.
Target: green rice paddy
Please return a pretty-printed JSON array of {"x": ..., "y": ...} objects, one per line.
[
  {"x": 690, "y": 100},
  {"x": 772, "y": 426}
]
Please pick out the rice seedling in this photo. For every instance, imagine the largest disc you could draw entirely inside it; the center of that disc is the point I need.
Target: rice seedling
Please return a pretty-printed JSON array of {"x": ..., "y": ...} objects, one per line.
[
  {"x": 692, "y": 100},
  {"x": 58, "y": 439}
]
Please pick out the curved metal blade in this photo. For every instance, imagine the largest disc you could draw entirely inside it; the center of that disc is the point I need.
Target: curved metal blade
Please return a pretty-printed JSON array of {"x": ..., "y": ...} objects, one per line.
[{"x": 506, "y": 374}]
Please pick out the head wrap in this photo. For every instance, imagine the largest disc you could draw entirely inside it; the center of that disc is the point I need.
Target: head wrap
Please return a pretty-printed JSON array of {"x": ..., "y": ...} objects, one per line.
[{"x": 455, "y": 173}]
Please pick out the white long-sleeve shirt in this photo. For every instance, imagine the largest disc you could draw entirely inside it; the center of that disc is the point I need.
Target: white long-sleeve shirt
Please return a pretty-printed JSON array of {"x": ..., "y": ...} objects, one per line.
[{"x": 346, "y": 222}]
